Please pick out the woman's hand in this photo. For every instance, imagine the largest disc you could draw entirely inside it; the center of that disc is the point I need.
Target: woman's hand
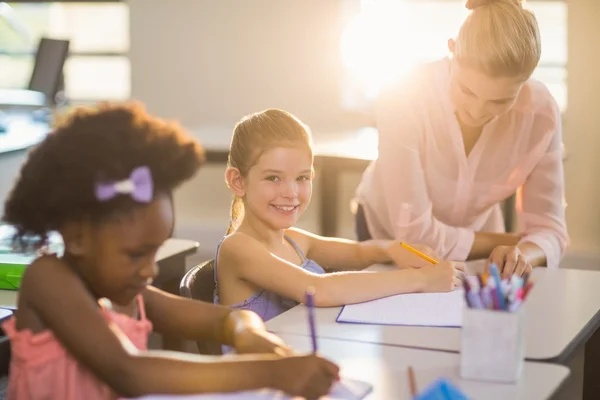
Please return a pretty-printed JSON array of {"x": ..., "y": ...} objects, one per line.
[{"x": 509, "y": 260}]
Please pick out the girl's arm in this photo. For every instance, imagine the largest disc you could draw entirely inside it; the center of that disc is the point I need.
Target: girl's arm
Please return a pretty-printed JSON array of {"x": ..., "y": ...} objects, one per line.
[
  {"x": 196, "y": 320},
  {"x": 251, "y": 261},
  {"x": 336, "y": 254},
  {"x": 60, "y": 299}
]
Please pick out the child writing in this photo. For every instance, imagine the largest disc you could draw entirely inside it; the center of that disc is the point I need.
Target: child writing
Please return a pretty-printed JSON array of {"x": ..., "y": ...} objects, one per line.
[
  {"x": 104, "y": 181},
  {"x": 265, "y": 265}
]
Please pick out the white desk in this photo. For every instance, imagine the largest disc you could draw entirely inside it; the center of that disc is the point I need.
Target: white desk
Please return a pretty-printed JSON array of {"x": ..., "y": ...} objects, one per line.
[
  {"x": 20, "y": 130},
  {"x": 171, "y": 248},
  {"x": 386, "y": 369},
  {"x": 562, "y": 313}
]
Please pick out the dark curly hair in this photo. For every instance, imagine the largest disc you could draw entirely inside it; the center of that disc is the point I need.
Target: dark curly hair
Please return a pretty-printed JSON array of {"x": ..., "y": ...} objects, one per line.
[{"x": 57, "y": 182}]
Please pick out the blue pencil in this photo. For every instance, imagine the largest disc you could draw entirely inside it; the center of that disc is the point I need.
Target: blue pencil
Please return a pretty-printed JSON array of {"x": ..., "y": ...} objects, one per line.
[
  {"x": 310, "y": 305},
  {"x": 496, "y": 275}
]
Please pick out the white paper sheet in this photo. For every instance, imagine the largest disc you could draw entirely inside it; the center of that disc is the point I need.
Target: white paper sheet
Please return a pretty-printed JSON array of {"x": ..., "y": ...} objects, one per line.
[
  {"x": 418, "y": 309},
  {"x": 346, "y": 389}
]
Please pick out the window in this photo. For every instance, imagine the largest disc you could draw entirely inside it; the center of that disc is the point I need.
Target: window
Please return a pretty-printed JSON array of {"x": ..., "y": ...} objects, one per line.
[
  {"x": 98, "y": 64},
  {"x": 387, "y": 37}
]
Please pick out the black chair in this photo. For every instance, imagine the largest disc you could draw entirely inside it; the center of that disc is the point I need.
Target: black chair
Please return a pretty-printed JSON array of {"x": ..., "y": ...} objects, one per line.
[{"x": 199, "y": 284}]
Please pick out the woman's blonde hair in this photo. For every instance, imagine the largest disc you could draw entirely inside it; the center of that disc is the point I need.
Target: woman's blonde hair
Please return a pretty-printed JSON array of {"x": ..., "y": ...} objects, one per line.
[
  {"x": 499, "y": 38},
  {"x": 257, "y": 133}
]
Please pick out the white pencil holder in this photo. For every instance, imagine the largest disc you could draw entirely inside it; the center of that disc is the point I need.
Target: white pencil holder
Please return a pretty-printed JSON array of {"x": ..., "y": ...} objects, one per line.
[{"x": 492, "y": 345}]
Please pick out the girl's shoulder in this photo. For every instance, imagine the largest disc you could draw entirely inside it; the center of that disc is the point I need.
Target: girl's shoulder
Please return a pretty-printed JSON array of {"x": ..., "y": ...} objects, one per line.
[
  {"x": 43, "y": 275},
  {"x": 237, "y": 243},
  {"x": 44, "y": 265},
  {"x": 300, "y": 238},
  {"x": 48, "y": 269}
]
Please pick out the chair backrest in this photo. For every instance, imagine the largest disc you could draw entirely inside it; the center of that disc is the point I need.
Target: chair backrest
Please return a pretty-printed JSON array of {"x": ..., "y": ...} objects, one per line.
[{"x": 199, "y": 284}]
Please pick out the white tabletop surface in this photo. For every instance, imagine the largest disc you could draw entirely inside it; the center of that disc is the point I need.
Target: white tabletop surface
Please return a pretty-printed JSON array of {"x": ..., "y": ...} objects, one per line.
[
  {"x": 171, "y": 247},
  {"x": 386, "y": 368},
  {"x": 562, "y": 306}
]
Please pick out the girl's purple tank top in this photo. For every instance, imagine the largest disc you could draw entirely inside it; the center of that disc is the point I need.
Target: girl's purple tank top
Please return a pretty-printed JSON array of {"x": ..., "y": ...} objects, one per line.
[{"x": 265, "y": 303}]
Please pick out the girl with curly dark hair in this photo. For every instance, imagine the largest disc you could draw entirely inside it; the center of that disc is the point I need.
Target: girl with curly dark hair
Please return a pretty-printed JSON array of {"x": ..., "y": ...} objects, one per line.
[{"x": 103, "y": 180}]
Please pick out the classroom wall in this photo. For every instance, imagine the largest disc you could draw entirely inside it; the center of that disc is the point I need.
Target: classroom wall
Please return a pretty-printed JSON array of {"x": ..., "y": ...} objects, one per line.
[
  {"x": 582, "y": 126},
  {"x": 210, "y": 62}
]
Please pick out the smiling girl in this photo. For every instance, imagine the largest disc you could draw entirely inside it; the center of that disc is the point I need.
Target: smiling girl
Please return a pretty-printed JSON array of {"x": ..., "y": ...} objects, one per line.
[{"x": 266, "y": 265}]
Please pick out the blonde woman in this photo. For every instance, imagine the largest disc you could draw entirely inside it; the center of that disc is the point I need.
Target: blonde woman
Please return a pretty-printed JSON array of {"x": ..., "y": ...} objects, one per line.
[{"x": 463, "y": 134}]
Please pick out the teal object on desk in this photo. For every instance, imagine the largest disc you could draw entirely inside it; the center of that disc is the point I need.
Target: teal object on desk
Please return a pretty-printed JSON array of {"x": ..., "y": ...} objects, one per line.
[{"x": 441, "y": 389}]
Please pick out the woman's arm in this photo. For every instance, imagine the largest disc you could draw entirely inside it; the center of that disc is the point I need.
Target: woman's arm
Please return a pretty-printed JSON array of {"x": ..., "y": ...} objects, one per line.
[
  {"x": 540, "y": 204},
  {"x": 486, "y": 242},
  {"x": 59, "y": 298},
  {"x": 252, "y": 262},
  {"x": 541, "y": 200}
]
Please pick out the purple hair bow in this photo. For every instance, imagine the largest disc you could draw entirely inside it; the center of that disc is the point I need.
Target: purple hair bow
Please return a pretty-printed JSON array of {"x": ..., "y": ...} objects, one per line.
[{"x": 139, "y": 186}]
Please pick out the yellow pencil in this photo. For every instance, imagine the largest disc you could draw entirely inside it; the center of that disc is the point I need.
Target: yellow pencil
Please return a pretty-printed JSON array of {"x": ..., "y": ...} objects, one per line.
[{"x": 417, "y": 252}]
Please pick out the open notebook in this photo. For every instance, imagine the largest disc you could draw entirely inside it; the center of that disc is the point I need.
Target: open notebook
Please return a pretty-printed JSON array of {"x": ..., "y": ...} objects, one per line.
[
  {"x": 417, "y": 309},
  {"x": 346, "y": 389}
]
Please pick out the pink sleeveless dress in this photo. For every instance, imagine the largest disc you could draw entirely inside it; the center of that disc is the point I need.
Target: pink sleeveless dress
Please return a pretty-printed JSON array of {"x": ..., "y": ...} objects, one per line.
[{"x": 41, "y": 368}]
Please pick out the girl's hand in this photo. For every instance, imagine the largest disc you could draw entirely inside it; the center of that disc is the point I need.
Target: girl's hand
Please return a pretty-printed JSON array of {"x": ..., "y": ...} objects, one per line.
[
  {"x": 404, "y": 258},
  {"x": 442, "y": 277},
  {"x": 309, "y": 376},
  {"x": 260, "y": 341},
  {"x": 423, "y": 248}
]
